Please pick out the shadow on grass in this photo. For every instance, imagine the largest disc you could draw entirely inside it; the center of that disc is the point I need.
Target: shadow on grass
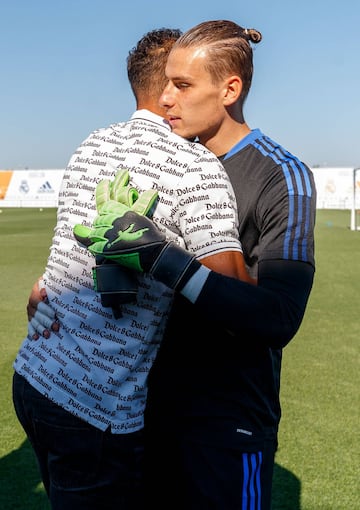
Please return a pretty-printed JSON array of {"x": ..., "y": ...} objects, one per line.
[
  {"x": 286, "y": 490},
  {"x": 20, "y": 482},
  {"x": 21, "y": 487}
]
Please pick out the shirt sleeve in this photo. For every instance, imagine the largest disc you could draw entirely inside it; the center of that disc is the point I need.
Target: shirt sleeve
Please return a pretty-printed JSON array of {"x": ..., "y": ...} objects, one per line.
[
  {"x": 207, "y": 209},
  {"x": 269, "y": 313}
]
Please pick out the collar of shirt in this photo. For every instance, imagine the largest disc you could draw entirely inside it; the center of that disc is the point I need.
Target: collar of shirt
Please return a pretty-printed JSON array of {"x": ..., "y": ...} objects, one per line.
[
  {"x": 248, "y": 139},
  {"x": 152, "y": 117}
]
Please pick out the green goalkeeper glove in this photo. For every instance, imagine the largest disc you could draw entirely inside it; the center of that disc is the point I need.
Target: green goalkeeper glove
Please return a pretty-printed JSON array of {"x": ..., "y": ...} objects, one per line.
[
  {"x": 120, "y": 190},
  {"x": 118, "y": 285},
  {"x": 121, "y": 235}
]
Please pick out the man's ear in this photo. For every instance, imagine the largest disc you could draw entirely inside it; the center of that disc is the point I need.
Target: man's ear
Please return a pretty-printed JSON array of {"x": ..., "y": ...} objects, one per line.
[{"x": 233, "y": 88}]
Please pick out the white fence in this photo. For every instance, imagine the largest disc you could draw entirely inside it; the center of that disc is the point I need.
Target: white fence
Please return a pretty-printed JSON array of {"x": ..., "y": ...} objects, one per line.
[
  {"x": 40, "y": 188},
  {"x": 337, "y": 188},
  {"x": 30, "y": 188}
]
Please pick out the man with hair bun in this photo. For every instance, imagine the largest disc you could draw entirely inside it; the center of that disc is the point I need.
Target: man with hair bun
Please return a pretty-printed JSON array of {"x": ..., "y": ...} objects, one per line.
[{"x": 213, "y": 407}]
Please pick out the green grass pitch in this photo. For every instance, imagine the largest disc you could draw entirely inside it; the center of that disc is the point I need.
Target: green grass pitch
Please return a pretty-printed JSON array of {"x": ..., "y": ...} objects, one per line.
[{"x": 317, "y": 464}]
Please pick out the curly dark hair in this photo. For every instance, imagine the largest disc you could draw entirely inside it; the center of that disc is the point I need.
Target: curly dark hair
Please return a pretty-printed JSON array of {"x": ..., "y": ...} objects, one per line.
[{"x": 147, "y": 60}]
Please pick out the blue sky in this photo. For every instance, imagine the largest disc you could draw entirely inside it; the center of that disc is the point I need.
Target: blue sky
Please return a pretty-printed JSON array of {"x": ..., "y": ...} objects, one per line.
[{"x": 63, "y": 72}]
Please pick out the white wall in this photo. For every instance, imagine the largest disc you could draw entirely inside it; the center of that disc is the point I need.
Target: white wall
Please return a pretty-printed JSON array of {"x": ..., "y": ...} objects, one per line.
[
  {"x": 30, "y": 188},
  {"x": 335, "y": 188},
  {"x": 40, "y": 188}
]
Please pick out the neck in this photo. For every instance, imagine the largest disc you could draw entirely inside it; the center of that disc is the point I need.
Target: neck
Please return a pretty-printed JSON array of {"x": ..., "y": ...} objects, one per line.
[
  {"x": 226, "y": 137},
  {"x": 152, "y": 106}
]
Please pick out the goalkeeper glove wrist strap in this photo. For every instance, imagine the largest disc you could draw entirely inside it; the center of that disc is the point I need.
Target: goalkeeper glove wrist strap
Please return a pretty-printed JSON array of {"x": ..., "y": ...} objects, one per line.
[
  {"x": 114, "y": 279},
  {"x": 174, "y": 266}
]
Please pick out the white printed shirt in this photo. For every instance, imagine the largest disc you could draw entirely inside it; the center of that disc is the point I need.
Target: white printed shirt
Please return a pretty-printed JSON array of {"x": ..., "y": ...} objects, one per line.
[{"x": 96, "y": 366}]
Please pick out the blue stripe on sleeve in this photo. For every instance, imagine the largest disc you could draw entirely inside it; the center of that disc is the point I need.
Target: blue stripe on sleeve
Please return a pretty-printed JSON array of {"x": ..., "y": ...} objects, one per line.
[{"x": 299, "y": 193}]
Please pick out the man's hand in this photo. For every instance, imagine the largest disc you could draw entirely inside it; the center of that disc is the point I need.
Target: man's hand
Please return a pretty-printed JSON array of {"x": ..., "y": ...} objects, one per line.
[
  {"x": 120, "y": 191},
  {"x": 116, "y": 284},
  {"x": 116, "y": 202},
  {"x": 42, "y": 318},
  {"x": 123, "y": 236}
]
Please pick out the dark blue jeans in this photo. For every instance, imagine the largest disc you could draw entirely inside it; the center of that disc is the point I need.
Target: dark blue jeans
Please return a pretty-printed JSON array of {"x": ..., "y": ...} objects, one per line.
[{"x": 82, "y": 468}]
